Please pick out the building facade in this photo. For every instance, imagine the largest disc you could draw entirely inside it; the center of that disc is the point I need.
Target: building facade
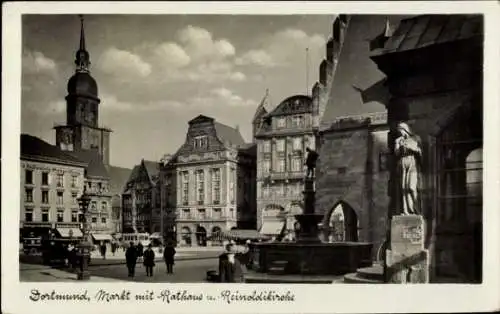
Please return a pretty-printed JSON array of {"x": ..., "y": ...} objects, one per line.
[
  {"x": 141, "y": 199},
  {"x": 210, "y": 180},
  {"x": 282, "y": 136},
  {"x": 281, "y": 141},
  {"x": 51, "y": 182}
]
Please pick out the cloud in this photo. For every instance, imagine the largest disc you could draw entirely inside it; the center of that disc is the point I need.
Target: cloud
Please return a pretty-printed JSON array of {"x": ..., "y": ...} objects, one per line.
[
  {"x": 257, "y": 57},
  {"x": 200, "y": 44},
  {"x": 172, "y": 55},
  {"x": 37, "y": 62},
  {"x": 283, "y": 48},
  {"x": 225, "y": 96},
  {"x": 110, "y": 102},
  {"x": 122, "y": 63}
]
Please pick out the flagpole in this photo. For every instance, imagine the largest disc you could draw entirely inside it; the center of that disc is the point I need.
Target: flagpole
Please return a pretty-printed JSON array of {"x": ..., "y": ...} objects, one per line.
[{"x": 307, "y": 71}]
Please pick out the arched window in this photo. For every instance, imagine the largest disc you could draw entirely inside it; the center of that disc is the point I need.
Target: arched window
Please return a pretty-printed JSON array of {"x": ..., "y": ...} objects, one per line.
[{"x": 474, "y": 184}]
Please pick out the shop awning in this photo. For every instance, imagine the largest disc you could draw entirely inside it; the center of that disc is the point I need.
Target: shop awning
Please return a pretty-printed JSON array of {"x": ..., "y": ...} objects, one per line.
[
  {"x": 69, "y": 232},
  {"x": 102, "y": 237},
  {"x": 237, "y": 234},
  {"x": 272, "y": 228}
]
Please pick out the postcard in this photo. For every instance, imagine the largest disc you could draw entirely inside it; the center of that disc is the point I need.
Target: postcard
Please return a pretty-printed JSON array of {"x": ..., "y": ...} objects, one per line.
[{"x": 250, "y": 157}]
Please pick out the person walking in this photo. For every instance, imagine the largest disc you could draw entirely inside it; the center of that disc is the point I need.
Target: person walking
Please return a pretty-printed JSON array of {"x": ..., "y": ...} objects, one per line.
[
  {"x": 149, "y": 260},
  {"x": 230, "y": 268},
  {"x": 113, "y": 248},
  {"x": 140, "y": 250},
  {"x": 103, "y": 250},
  {"x": 168, "y": 257},
  {"x": 131, "y": 259}
]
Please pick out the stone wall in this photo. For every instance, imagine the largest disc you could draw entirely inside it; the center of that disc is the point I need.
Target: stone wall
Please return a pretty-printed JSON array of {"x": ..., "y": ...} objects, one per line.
[{"x": 351, "y": 169}]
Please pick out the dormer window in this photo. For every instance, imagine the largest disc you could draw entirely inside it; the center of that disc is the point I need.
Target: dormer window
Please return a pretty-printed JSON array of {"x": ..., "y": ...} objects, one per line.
[{"x": 201, "y": 141}]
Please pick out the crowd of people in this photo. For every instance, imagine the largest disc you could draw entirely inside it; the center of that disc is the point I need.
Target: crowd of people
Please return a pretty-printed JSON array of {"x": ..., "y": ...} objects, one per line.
[{"x": 135, "y": 253}]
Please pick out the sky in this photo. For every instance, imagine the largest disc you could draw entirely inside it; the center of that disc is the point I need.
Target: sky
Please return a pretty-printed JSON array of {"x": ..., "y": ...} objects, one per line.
[{"x": 157, "y": 72}]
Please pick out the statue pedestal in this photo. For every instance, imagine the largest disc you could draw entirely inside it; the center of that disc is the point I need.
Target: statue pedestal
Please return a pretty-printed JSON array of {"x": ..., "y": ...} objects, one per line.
[{"x": 407, "y": 261}]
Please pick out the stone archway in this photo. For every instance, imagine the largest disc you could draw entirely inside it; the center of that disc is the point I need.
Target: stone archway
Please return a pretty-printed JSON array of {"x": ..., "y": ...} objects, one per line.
[
  {"x": 343, "y": 223},
  {"x": 201, "y": 236},
  {"x": 186, "y": 236}
]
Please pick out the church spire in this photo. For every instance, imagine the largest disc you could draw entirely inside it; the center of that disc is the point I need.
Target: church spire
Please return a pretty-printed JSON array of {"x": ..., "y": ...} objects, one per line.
[{"x": 82, "y": 60}]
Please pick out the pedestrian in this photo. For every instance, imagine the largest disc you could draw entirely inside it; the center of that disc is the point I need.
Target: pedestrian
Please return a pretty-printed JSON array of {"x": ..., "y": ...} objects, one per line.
[
  {"x": 103, "y": 250},
  {"x": 140, "y": 250},
  {"x": 131, "y": 259},
  {"x": 113, "y": 248},
  {"x": 149, "y": 260},
  {"x": 168, "y": 257},
  {"x": 230, "y": 268}
]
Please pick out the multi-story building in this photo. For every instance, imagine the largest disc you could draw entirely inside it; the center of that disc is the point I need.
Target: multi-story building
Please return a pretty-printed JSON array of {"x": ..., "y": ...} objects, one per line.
[
  {"x": 282, "y": 140},
  {"x": 51, "y": 182},
  {"x": 141, "y": 199},
  {"x": 213, "y": 175},
  {"x": 282, "y": 136}
]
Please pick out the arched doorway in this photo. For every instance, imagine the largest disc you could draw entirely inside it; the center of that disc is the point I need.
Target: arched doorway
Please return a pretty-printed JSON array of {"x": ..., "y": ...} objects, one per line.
[
  {"x": 186, "y": 236},
  {"x": 343, "y": 224},
  {"x": 201, "y": 236}
]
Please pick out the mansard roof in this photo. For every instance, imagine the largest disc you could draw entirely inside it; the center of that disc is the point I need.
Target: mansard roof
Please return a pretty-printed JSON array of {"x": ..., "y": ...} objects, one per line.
[
  {"x": 293, "y": 105},
  {"x": 36, "y": 149},
  {"x": 228, "y": 134}
]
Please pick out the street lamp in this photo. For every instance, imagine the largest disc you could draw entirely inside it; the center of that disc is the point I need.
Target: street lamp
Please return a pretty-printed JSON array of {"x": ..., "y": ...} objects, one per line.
[{"x": 85, "y": 245}]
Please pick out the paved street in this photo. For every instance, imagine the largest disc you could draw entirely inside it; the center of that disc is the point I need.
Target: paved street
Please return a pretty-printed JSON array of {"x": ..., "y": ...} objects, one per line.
[
  {"x": 189, "y": 270},
  {"x": 184, "y": 271}
]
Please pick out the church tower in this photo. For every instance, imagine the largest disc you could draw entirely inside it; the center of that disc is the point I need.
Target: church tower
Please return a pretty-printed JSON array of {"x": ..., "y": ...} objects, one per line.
[{"x": 82, "y": 131}]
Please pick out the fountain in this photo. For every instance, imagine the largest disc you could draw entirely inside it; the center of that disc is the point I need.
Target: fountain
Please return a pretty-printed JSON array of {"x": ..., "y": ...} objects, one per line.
[{"x": 308, "y": 259}]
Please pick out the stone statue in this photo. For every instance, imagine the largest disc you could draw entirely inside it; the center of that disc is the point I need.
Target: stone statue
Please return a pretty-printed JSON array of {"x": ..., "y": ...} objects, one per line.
[
  {"x": 408, "y": 153},
  {"x": 311, "y": 158}
]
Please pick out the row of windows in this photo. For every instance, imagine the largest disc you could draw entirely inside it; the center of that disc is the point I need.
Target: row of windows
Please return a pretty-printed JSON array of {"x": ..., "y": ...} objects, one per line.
[
  {"x": 296, "y": 121},
  {"x": 45, "y": 196},
  {"x": 45, "y": 216},
  {"x": 29, "y": 179},
  {"x": 200, "y": 185},
  {"x": 295, "y": 164},
  {"x": 201, "y": 213},
  {"x": 297, "y": 145}
]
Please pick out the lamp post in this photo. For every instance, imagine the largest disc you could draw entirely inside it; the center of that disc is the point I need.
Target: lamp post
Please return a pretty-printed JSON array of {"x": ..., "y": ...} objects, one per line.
[{"x": 85, "y": 245}]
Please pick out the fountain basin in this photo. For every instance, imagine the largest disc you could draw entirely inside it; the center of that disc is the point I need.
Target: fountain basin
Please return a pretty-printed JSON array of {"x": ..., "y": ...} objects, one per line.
[{"x": 296, "y": 258}]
